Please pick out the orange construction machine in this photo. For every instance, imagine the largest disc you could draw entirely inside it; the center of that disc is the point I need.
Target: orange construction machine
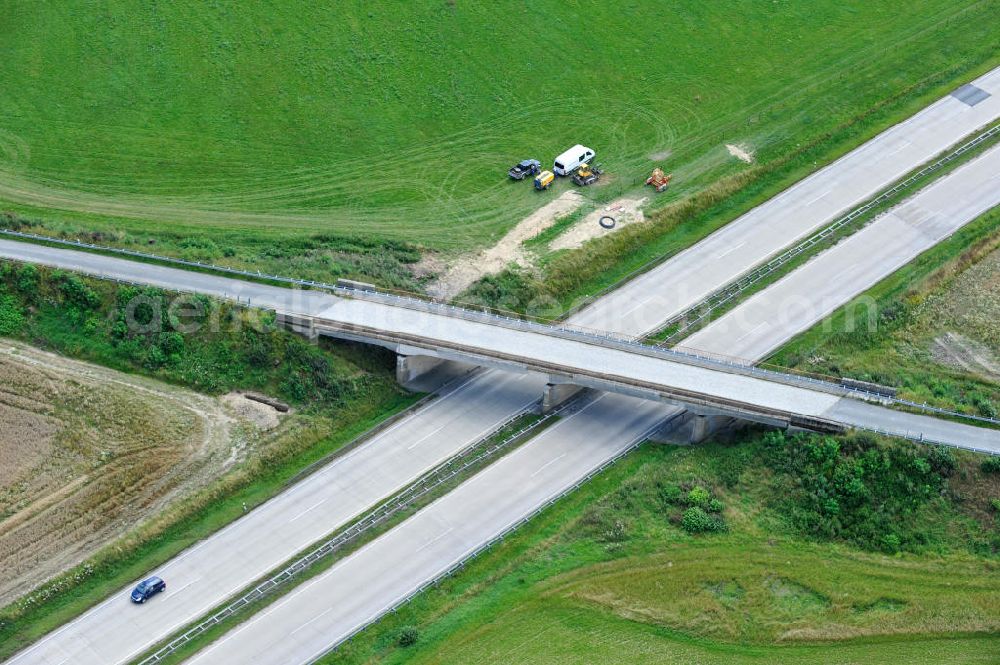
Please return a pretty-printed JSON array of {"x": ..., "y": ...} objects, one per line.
[{"x": 659, "y": 180}]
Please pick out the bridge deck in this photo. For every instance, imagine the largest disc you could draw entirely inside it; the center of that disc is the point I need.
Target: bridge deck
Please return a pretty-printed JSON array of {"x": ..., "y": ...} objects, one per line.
[{"x": 417, "y": 327}]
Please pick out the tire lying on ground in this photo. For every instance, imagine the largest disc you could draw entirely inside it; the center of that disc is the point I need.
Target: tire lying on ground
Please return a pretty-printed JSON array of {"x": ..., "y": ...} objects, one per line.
[{"x": 607, "y": 222}]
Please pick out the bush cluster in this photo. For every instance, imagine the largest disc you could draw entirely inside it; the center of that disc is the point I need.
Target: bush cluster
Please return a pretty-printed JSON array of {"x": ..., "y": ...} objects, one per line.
[
  {"x": 211, "y": 346},
  {"x": 860, "y": 489},
  {"x": 408, "y": 636},
  {"x": 11, "y": 315},
  {"x": 693, "y": 507},
  {"x": 696, "y": 520}
]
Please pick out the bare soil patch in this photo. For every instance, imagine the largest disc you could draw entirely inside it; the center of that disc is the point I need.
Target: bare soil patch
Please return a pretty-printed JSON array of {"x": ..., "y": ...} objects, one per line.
[
  {"x": 86, "y": 453},
  {"x": 624, "y": 212},
  {"x": 741, "y": 152},
  {"x": 956, "y": 350},
  {"x": 463, "y": 272},
  {"x": 264, "y": 416}
]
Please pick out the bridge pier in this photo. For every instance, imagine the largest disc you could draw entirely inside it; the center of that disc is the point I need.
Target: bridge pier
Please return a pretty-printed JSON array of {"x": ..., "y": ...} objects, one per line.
[
  {"x": 691, "y": 428},
  {"x": 556, "y": 394},
  {"x": 424, "y": 374}
]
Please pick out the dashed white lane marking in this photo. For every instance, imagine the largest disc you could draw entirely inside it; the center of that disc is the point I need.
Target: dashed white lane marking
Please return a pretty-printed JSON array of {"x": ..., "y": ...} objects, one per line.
[
  {"x": 307, "y": 510},
  {"x": 174, "y": 592},
  {"x": 434, "y": 540},
  {"x": 426, "y": 436},
  {"x": 752, "y": 331},
  {"x": 819, "y": 197},
  {"x": 730, "y": 250},
  {"x": 315, "y": 618},
  {"x": 904, "y": 146},
  {"x": 547, "y": 464}
]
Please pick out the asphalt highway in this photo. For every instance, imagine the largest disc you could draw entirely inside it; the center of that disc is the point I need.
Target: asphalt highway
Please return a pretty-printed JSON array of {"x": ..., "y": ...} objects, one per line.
[
  {"x": 366, "y": 584},
  {"x": 323, "y": 612},
  {"x": 208, "y": 573},
  {"x": 595, "y": 432}
]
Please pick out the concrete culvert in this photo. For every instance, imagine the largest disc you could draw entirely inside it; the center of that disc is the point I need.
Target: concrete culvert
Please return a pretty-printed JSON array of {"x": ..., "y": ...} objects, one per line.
[{"x": 607, "y": 222}]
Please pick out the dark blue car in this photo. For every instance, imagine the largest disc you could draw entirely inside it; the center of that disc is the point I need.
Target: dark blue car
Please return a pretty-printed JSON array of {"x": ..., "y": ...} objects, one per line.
[{"x": 146, "y": 589}]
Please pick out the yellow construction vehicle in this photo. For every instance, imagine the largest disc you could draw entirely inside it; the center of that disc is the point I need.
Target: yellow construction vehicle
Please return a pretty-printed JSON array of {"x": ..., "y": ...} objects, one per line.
[{"x": 587, "y": 174}]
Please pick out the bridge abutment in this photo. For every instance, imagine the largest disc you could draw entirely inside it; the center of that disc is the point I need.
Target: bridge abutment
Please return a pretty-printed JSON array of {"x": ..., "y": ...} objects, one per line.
[{"x": 302, "y": 325}]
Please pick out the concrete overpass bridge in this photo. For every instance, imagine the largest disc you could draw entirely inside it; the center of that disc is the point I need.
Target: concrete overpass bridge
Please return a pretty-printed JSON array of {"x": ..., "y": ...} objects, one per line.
[{"x": 425, "y": 333}]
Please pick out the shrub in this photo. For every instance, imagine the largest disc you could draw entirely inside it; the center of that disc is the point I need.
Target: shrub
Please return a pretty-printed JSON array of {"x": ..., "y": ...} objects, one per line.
[
  {"x": 76, "y": 292},
  {"x": 696, "y": 520},
  {"x": 172, "y": 343},
  {"x": 9, "y": 220},
  {"x": 984, "y": 406},
  {"x": 507, "y": 290},
  {"x": 11, "y": 318},
  {"x": 155, "y": 358},
  {"x": 616, "y": 533},
  {"x": 991, "y": 465},
  {"x": 698, "y": 496},
  {"x": 670, "y": 494},
  {"x": 858, "y": 488},
  {"x": 995, "y": 504},
  {"x": 408, "y": 636},
  {"x": 716, "y": 506},
  {"x": 891, "y": 543},
  {"x": 27, "y": 279},
  {"x": 942, "y": 460},
  {"x": 90, "y": 318}
]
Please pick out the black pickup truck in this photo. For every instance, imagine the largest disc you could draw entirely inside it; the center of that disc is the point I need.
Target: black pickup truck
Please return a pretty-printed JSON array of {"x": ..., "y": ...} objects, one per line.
[{"x": 523, "y": 169}]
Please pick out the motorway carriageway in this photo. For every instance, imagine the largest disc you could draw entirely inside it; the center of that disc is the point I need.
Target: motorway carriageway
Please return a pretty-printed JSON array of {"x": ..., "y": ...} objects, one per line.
[{"x": 112, "y": 632}]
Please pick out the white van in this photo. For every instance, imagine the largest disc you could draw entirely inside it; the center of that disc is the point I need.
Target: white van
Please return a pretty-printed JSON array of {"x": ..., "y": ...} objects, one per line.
[{"x": 570, "y": 160}]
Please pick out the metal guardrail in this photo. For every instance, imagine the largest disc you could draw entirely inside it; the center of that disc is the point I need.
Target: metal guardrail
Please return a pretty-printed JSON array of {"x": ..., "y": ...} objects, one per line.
[
  {"x": 728, "y": 293},
  {"x": 148, "y": 256},
  {"x": 506, "y": 531},
  {"x": 921, "y": 438},
  {"x": 431, "y": 480}
]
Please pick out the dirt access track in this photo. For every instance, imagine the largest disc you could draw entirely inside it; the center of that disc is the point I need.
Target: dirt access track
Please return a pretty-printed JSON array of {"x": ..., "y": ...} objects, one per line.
[
  {"x": 86, "y": 453},
  {"x": 464, "y": 272}
]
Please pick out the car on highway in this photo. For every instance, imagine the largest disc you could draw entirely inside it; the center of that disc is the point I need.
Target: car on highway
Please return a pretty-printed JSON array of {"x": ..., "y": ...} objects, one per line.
[{"x": 146, "y": 589}]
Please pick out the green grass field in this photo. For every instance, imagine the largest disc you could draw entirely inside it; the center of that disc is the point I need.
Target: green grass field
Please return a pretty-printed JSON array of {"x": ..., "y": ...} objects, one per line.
[{"x": 250, "y": 122}]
